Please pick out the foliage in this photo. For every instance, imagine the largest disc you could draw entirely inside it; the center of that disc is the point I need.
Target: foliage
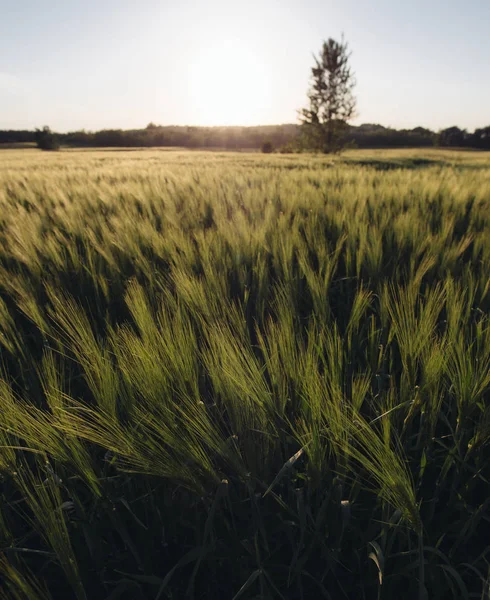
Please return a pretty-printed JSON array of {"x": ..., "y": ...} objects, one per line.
[
  {"x": 367, "y": 135},
  {"x": 452, "y": 136},
  {"x": 236, "y": 376},
  {"x": 289, "y": 148},
  {"x": 480, "y": 138},
  {"x": 46, "y": 139},
  {"x": 332, "y": 102},
  {"x": 267, "y": 147}
]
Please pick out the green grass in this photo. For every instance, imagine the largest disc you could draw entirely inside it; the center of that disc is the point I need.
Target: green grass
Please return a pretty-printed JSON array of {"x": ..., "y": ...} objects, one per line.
[{"x": 244, "y": 376}]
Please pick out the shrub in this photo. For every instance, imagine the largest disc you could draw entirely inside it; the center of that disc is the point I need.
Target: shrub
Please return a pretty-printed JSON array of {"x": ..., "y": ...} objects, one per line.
[
  {"x": 46, "y": 139},
  {"x": 267, "y": 147},
  {"x": 287, "y": 149}
]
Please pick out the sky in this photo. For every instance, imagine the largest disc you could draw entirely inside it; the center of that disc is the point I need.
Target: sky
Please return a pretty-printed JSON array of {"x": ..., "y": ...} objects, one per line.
[{"x": 96, "y": 64}]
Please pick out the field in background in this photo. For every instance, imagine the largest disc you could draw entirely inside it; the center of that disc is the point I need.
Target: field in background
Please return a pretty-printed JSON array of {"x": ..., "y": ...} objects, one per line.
[{"x": 234, "y": 375}]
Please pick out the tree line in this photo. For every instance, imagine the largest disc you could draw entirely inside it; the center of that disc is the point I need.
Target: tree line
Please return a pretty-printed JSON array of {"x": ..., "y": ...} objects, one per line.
[{"x": 281, "y": 137}]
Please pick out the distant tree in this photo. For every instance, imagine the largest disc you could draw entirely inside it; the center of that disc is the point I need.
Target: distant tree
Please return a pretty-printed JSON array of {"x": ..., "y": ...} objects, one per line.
[
  {"x": 481, "y": 138},
  {"x": 267, "y": 147},
  {"x": 332, "y": 102},
  {"x": 46, "y": 139},
  {"x": 370, "y": 127},
  {"x": 422, "y": 131},
  {"x": 452, "y": 136}
]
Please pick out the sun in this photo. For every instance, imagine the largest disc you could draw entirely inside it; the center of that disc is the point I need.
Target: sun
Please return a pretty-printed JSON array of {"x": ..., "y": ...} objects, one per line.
[{"x": 228, "y": 85}]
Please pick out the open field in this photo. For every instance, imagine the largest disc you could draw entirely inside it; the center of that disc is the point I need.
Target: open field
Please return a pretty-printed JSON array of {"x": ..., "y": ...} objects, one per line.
[{"x": 244, "y": 376}]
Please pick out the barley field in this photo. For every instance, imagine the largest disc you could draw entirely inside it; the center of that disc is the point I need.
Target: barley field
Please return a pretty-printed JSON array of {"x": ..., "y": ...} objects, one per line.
[{"x": 236, "y": 376}]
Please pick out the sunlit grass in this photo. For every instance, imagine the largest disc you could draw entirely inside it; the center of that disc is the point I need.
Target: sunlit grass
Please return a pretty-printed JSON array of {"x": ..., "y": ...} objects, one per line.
[{"x": 236, "y": 375}]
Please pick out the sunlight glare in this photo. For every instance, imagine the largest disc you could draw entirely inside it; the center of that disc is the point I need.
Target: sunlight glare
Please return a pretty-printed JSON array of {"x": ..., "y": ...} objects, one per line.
[{"x": 229, "y": 85}]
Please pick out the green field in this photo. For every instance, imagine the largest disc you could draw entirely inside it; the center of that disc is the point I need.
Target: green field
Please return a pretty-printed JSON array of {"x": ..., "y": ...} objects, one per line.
[{"x": 230, "y": 375}]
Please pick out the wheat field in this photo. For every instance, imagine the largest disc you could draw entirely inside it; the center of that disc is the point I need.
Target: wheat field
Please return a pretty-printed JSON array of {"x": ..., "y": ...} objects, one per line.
[{"x": 229, "y": 375}]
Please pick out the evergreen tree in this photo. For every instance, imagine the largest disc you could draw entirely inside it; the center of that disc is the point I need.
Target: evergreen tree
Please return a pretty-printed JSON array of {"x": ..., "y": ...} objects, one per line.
[{"x": 332, "y": 103}]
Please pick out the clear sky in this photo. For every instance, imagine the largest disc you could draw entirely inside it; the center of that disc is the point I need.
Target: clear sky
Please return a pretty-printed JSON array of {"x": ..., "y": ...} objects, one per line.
[{"x": 92, "y": 64}]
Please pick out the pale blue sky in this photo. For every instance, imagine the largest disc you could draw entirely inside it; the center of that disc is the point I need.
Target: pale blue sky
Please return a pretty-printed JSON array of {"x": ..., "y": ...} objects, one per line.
[{"x": 122, "y": 63}]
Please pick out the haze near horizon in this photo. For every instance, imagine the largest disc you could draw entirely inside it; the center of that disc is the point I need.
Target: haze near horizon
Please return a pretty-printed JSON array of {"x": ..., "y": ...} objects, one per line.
[{"x": 117, "y": 64}]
